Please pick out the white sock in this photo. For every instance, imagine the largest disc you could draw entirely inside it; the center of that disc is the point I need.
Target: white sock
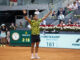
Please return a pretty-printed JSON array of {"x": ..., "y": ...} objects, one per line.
[
  {"x": 36, "y": 54},
  {"x": 32, "y": 55}
]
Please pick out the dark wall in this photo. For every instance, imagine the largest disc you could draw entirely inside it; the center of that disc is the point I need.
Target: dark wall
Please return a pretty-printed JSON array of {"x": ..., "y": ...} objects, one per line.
[{"x": 9, "y": 16}]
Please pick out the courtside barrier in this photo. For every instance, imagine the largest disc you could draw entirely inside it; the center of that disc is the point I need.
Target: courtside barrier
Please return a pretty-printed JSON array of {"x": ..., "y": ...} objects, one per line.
[
  {"x": 60, "y": 41},
  {"x": 23, "y": 38}
]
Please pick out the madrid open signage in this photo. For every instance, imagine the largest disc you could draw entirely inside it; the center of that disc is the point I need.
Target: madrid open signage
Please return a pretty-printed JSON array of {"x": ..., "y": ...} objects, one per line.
[{"x": 60, "y": 41}]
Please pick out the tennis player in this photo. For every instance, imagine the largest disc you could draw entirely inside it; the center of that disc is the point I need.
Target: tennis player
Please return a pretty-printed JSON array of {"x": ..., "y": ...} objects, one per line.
[{"x": 35, "y": 32}]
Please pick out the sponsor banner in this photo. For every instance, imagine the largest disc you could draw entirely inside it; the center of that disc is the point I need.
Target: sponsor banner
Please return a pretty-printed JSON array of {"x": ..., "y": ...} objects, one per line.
[{"x": 60, "y": 41}]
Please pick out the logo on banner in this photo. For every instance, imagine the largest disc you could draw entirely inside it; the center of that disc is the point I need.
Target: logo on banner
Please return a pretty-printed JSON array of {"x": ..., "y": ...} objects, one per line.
[
  {"x": 26, "y": 33},
  {"x": 77, "y": 42},
  {"x": 15, "y": 36}
]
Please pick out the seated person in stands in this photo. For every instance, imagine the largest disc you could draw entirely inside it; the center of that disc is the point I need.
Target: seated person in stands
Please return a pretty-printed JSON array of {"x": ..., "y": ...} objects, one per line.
[
  {"x": 75, "y": 23},
  {"x": 21, "y": 24},
  {"x": 43, "y": 23},
  {"x": 12, "y": 26},
  {"x": 78, "y": 22},
  {"x": 74, "y": 6},
  {"x": 8, "y": 36},
  {"x": 61, "y": 10},
  {"x": 77, "y": 2},
  {"x": 79, "y": 5},
  {"x": 61, "y": 24},
  {"x": 69, "y": 22},
  {"x": 13, "y": 2},
  {"x": 54, "y": 14},
  {"x": 68, "y": 8},
  {"x": 61, "y": 16}
]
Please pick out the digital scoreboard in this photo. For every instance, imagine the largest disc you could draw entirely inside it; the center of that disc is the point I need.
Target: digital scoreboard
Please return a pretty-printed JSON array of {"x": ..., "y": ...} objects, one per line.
[{"x": 20, "y": 38}]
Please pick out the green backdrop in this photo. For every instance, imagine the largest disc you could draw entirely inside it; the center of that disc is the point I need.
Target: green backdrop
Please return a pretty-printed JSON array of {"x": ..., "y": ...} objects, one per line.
[{"x": 23, "y": 39}]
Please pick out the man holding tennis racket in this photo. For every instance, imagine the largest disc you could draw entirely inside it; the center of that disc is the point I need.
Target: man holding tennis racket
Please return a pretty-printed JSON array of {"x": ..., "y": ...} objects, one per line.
[{"x": 35, "y": 32}]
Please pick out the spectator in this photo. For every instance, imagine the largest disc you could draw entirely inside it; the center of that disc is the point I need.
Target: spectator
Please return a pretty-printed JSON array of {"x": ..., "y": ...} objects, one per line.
[
  {"x": 26, "y": 24},
  {"x": 61, "y": 24},
  {"x": 69, "y": 22},
  {"x": 74, "y": 6},
  {"x": 8, "y": 36},
  {"x": 43, "y": 23},
  {"x": 75, "y": 23},
  {"x": 3, "y": 35},
  {"x": 37, "y": 12},
  {"x": 12, "y": 27},
  {"x": 79, "y": 5},
  {"x": 21, "y": 25},
  {"x": 54, "y": 15},
  {"x": 77, "y": 2},
  {"x": 68, "y": 6},
  {"x": 13, "y": 2},
  {"x": 61, "y": 16},
  {"x": 78, "y": 22},
  {"x": 31, "y": 16},
  {"x": 61, "y": 10},
  {"x": 16, "y": 26},
  {"x": 69, "y": 9}
]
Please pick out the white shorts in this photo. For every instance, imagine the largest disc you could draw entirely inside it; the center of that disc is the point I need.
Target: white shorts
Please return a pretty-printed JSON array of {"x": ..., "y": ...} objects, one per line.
[{"x": 3, "y": 34}]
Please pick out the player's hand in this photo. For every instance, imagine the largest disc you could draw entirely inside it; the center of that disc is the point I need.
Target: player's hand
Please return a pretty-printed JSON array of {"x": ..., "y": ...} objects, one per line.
[
  {"x": 50, "y": 11},
  {"x": 24, "y": 11}
]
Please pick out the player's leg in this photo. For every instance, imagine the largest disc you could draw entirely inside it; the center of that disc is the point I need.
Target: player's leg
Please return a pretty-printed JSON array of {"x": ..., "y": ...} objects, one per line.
[
  {"x": 32, "y": 47},
  {"x": 37, "y": 46},
  {"x": 36, "y": 50},
  {"x": 32, "y": 50}
]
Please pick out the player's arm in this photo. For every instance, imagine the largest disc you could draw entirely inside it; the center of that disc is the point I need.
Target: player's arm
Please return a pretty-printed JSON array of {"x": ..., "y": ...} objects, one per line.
[
  {"x": 46, "y": 15},
  {"x": 25, "y": 12}
]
